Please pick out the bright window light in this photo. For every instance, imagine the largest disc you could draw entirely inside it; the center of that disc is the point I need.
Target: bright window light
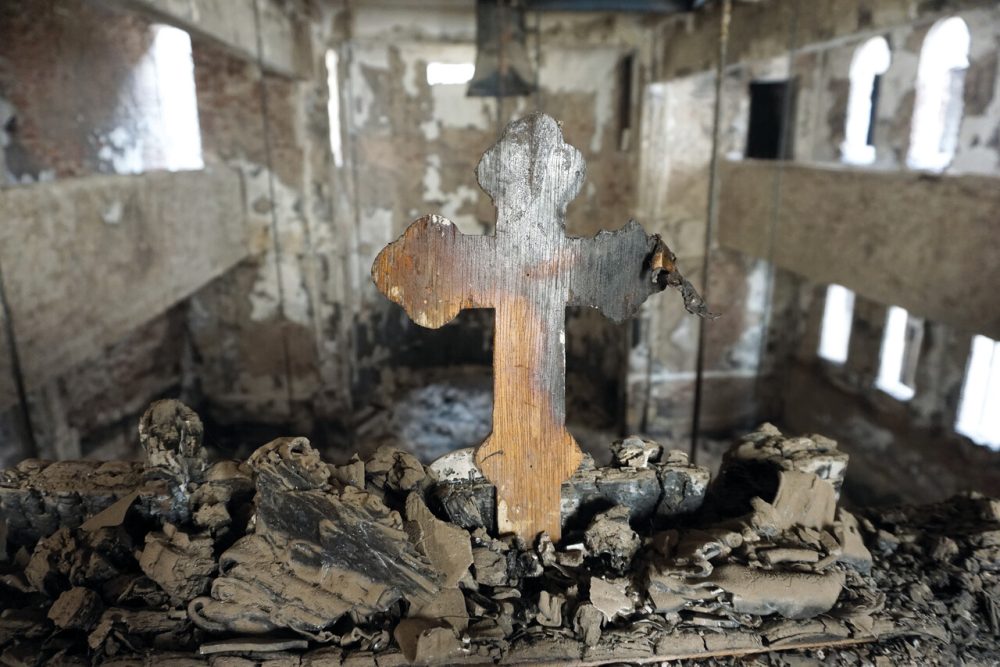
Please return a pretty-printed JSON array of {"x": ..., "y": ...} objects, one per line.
[
  {"x": 937, "y": 112},
  {"x": 870, "y": 61},
  {"x": 835, "y": 334},
  {"x": 449, "y": 73},
  {"x": 979, "y": 411},
  {"x": 333, "y": 107},
  {"x": 181, "y": 139},
  {"x": 892, "y": 360}
]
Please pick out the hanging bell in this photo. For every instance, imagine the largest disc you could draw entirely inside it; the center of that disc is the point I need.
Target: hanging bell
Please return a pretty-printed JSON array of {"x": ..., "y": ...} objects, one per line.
[{"x": 502, "y": 65}]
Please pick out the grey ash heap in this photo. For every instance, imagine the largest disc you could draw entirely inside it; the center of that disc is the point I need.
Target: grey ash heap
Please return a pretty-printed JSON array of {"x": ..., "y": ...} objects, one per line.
[{"x": 286, "y": 560}]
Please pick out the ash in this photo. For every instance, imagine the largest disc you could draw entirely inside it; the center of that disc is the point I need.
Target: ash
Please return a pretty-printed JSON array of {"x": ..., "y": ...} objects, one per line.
[{"x": 285, "y": 559}]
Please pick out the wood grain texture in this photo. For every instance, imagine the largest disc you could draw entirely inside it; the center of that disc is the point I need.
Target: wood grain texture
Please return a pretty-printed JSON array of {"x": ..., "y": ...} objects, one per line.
[{"x": 529, "y": 271}]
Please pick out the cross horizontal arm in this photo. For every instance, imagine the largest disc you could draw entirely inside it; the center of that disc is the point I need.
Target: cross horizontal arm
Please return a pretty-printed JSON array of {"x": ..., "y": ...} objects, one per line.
[
  {"x": 616, "y": 271},
  {"x": 612, "y": 271},
  {"x": 434, "y": 271}
]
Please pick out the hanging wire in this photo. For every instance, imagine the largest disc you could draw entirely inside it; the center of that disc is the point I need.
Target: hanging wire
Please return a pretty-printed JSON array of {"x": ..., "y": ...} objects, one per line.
[
  {"x": 712, "y": 214},
  {"x": 276, "y": 238},
  {"x": 776, "y": 191},
  {"x": 17, "y": 373},
  {"x": 773, "y": 223}
]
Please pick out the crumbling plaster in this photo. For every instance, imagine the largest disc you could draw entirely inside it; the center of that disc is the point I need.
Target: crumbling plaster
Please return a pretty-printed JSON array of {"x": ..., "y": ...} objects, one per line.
[
  {"x": 64, "y": 118},
  {"x": 265, "y": 334},
  {"x": 767, "y": 41},
  {"x": 57, "y": 133},
  {"x": 415, "y": 147}
]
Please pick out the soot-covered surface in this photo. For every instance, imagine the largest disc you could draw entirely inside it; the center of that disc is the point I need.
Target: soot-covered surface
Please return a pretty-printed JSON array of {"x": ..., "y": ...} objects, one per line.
[{"x": 287, "y": 560}]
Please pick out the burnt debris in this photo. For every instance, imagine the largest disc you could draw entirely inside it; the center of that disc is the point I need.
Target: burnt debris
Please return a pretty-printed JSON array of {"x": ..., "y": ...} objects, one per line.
[{"x": 285, "y": 559}]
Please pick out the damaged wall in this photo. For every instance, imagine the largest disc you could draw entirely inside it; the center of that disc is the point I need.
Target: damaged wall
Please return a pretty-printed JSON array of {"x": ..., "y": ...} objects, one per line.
[
  {"x": 294, "y": 337},
  {"x": 95, "y": 264},
  {"x": 415, "y": 147},
  {"x": 774, "y": 315},
  {"x": 97, "y": 268}
]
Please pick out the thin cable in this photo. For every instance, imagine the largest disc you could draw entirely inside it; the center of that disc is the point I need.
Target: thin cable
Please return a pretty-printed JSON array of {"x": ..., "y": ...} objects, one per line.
[
  {"x": 538, "y": 60},
  {"x": 16, "y": 371},
  {"x": 501, "y": 63},
  {"x": 276, "y": 239},
  {"x": 775, "y": 219},
  {"x": 356, "y": 210},
  {"x": 713, "y": 196}
]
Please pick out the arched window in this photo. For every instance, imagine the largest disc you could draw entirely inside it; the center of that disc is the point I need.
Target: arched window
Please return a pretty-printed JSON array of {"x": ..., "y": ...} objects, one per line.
[
  {"x": 937, "y": 112},
  {"x": 870, "y": 62},
  {"x": 180, "y": 132}
]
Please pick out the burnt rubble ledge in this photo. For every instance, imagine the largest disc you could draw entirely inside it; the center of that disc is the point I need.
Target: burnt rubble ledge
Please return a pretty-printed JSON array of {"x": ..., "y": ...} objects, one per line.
[{"x": 286, "y": 560}]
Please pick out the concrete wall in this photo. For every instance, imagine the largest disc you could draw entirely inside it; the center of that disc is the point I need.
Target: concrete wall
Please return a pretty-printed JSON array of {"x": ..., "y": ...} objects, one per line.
[
  {"x": 926, "y": 244},
  {"x": 871, "y": 231},
  {"x": 414, "y": 149},
  {"x": 294, "y": 336}
]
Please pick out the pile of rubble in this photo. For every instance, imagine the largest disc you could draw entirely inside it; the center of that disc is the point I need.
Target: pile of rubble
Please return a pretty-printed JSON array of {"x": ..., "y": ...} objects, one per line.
[{"x": 287, "y": 560}]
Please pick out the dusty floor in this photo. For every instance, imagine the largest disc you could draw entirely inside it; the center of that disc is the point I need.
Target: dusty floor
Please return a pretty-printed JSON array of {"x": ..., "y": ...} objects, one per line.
[{"x": 288, "y": 560}]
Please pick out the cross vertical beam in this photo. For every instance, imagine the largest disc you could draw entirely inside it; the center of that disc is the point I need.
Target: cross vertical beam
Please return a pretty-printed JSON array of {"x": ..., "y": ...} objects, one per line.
[{"x": 529, "y": 271}]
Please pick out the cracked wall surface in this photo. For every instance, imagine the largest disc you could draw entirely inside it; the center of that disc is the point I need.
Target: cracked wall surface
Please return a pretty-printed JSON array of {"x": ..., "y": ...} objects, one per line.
[
  {"x": 415, "y": 147},
  {"x": 294, "y": 338},
  {"x": 767, "y": 347}
]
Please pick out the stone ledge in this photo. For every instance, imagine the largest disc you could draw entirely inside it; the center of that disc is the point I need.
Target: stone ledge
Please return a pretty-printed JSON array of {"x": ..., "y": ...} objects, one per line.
[{"x": 87, "y": 260}]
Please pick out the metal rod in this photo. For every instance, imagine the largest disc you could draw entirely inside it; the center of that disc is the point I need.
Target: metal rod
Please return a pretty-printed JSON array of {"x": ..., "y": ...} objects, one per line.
[
  {"x": 279, "y": 274},
  {"x": 17, "y": 372},
  {"x": 713, "y": 195},
  {"x": 774, "y": 220}
]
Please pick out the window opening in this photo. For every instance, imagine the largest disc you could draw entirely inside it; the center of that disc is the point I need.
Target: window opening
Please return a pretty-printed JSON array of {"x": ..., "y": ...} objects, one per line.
[
  {"x": 180, "y": 142},
  {"x": 449, "y": 74},
  {"x": 900, "y": 352},
  {"x": 979, "y": 410},
  {"x": 835, "y": 333},
  {"x": 333, "y": 107},
  {"x": 871, "y": 60},
  {"x": 769, "y": 131},
  {"x": 937, "y": 112}
]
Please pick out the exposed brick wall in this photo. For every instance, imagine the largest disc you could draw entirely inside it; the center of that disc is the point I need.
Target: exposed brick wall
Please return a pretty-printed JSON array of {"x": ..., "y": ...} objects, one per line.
[{"x": 65, "y": 68}]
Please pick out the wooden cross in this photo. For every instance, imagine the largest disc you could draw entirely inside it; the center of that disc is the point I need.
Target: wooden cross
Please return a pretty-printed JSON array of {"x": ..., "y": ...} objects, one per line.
[{"x": 529, "y": 271}]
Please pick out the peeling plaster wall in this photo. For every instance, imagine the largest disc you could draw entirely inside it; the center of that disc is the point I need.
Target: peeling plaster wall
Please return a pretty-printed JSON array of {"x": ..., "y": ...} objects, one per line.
[
  {"x": 79, "y": 91},
  {"x": 822, "y": 70},
  {"x": 760, "y": 357},
  {"x": 247, "y": 346},
  {"x": 415, "y": 148},
  {"x": 74, "y": 102},
  {"x": 266, "y": 336}
]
